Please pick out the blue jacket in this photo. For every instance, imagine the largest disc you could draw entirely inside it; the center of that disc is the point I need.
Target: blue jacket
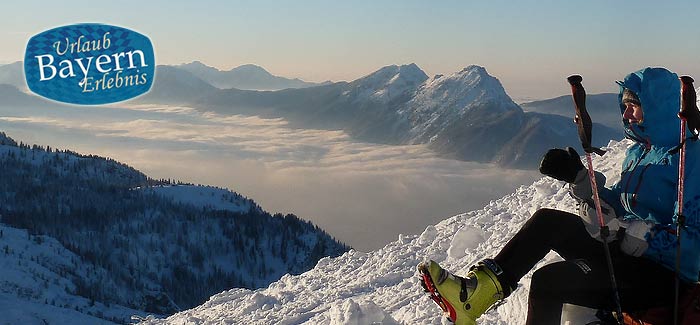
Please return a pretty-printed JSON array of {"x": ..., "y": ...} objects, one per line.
[{"x": 647, "y": 189}]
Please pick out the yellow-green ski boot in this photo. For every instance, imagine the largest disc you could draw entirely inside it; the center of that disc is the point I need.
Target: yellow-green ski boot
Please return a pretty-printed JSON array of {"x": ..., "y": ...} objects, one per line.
[{"x": 463, "y": 300}]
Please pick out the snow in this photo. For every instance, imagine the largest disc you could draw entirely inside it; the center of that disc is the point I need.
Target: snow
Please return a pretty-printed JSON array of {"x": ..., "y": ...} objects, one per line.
[
  {"x": 205, "y": 196},
  {"x": 36, "y": 283},
  {"x": 388, "y": 83},
  {"x": 17, "y": 311},
  {"x": 465, "y": 240},
  {"x": 353, "y": 313},
  {"x": 445, "y": 99},
  {"x": 382, "y": 287}
]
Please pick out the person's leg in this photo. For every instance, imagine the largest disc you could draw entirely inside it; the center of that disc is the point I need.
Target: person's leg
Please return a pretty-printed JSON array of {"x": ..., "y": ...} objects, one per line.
[
  {"x": 582, "y": 279},
  {"x": 642, "y": 284},
  {"x": 545, "y": 231},
  {"x": 493, "y": 280},
  {"x": 562, "y": 282}
]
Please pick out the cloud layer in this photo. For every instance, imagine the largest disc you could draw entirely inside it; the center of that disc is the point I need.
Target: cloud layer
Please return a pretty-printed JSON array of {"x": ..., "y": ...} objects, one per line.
[{"x": 364, "y": 194}]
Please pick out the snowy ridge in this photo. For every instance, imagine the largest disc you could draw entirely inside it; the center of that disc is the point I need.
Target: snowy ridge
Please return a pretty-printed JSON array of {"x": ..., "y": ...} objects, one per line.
[
  {"x": 205, "y": 197},
  {"x": 472, "y": 85},
  {"x": 382, "y": 286},
  {"x": 387, "y": 83}
]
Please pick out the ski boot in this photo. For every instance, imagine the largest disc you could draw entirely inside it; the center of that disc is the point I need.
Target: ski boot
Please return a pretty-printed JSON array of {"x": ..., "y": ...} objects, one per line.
[{"x": 463, "y": 300}]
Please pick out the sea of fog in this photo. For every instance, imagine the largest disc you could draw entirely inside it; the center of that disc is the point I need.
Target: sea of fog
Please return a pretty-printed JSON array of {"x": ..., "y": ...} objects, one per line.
[{"x": 363, "y": 194}]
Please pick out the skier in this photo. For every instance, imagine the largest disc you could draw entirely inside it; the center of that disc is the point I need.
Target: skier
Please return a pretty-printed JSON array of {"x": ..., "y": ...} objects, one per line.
[{"x": 640, "y": 211}]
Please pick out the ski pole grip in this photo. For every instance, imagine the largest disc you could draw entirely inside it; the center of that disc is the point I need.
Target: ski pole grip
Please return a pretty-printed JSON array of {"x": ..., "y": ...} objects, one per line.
[
  {"x": 582, "y": 118},
  {"x": 689, "y": 108}
]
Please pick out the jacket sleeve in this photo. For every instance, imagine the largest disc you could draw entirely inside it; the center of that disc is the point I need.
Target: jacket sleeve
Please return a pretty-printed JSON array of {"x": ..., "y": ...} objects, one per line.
[
  {"x": 612, "y": 197},
  {"x": 663, "y": 242}
]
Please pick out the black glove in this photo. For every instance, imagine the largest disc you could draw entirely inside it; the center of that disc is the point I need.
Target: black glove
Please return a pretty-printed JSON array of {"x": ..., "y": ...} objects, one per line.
[{"x": 561, "y": 164}]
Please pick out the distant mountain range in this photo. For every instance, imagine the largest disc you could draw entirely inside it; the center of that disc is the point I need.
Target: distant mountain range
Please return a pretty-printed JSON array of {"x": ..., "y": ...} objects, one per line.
[
  {"x": 10, "y": 95},
  {"x": 603, "y": 108},
  {"x": 173, "y": 85},
  {"x": 466, "y": 115},
  {"x": 13, "y": 74},
  {"x": 248, "y": 76}
]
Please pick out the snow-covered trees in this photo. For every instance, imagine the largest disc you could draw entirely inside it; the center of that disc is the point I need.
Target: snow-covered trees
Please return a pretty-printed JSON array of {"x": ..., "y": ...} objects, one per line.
[{"x": 144, "y": 250}]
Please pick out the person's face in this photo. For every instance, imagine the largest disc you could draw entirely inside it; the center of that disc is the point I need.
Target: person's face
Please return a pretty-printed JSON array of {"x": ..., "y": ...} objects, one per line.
[{"x": 633, "y": 113}]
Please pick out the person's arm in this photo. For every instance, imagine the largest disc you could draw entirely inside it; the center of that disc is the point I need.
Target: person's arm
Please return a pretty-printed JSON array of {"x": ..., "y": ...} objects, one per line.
[{"x": 565, "y": 165}]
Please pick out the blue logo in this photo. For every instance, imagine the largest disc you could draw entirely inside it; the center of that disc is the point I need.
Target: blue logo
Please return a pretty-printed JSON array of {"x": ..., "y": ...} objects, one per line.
[{"x": 89, "y": 64}]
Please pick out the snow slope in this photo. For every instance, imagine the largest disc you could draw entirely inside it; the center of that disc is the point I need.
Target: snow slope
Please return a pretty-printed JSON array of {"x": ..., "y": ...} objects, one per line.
[
  {"x": 38, "y": 284},
  {"x": 382, "y": 287},
  {"x": 205, "y": 197}
]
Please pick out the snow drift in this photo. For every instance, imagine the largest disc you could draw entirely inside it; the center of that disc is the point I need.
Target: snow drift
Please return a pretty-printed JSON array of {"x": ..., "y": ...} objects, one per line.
[{"x": 382, "y": 287}]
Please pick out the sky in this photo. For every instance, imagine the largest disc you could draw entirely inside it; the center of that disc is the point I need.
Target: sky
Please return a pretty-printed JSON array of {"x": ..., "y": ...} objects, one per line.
[{"x": 531, "y": 46}]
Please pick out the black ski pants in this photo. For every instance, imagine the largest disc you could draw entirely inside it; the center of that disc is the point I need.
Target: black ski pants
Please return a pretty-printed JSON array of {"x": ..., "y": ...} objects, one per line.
[{"x": 582, "y": 278}]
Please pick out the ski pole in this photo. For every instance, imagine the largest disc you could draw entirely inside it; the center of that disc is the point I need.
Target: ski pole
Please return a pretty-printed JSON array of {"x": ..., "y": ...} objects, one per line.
[
  {"x": 585, "y": 125},
  {"x": 688, "y": 103}
]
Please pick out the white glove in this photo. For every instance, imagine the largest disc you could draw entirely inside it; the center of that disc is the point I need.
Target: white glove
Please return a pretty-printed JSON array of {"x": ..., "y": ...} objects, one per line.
[
  {"x": 588, "y": 214},
  {"x": 634, "y": 242},
  {"x": 582, "y": 192}
]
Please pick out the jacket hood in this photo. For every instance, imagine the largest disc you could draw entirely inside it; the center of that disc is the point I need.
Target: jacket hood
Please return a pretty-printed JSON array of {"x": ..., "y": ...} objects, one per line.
[{"x": 659, "y": 93}]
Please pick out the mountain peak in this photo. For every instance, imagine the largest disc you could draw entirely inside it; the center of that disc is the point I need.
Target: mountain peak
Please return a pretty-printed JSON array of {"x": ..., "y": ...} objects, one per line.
[
  {"x": 196, "y": 63},
  {"x": 475, "y": 73},
  {"x": 411, "y": 67},
  {"x": 197, "y": 67},
  {"x": 447, "y": 102},
  {"x": 413, "y": 72},
  {"x": 474, "y": 68},
  {"x": 250, "y": 69},
  {"x": 390, "y": 82},
  {"x": 471, "y": 82},
  {"x": 388, "y": 72},
  {"x": 247, "y": 76}
]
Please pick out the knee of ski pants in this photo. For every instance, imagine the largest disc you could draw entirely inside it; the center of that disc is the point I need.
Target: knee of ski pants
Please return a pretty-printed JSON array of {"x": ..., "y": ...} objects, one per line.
[
  {"x": 554, "y": 281},
  {"x": 545, "y": 218}
]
